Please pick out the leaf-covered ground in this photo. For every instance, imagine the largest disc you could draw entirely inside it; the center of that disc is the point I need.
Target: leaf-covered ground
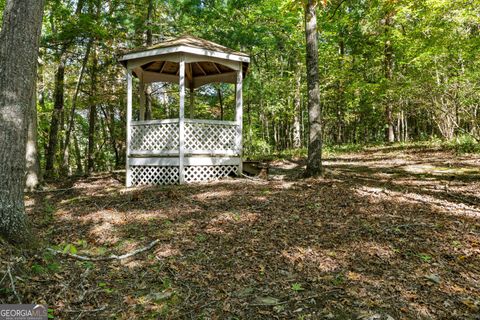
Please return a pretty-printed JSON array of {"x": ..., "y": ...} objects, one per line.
[{"x": 386, "y": 234}]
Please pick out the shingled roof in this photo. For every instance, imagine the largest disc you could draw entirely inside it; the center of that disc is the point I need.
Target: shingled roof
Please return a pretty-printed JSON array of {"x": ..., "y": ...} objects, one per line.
[
  {"x": 189, "y": 41},
  {"x": 206, "y": 61}
]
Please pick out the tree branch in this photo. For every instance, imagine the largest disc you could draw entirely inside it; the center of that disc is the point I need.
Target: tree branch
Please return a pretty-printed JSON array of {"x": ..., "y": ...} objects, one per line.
[{"x": 110, "y": 257}]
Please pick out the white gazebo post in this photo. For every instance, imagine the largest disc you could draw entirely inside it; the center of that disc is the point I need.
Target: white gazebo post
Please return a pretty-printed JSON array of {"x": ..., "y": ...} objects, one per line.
[
  {"x": 239, "y": 115},
  {"x": 129, "y": 127},
  {"x": 181, "y": 122}
]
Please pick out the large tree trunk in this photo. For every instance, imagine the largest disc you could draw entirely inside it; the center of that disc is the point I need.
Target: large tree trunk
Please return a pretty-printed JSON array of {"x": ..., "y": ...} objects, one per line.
[
  {"x": 33, "y": 166},
  {"x": 19, "y": 41},
  {"x": 58, "y": 106},
  {"x": 314, "y": 161}
]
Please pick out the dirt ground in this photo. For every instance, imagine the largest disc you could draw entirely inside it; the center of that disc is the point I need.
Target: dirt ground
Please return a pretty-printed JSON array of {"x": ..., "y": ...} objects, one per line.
[{"x": 385, "y": 234}]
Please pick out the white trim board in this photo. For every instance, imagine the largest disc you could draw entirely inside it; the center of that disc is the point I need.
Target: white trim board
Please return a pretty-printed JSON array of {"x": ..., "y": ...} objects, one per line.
[
  {"x": 175, "y": 152},
  {"x": 185, "y": 49},
  {"x": 200, "y": 161}
]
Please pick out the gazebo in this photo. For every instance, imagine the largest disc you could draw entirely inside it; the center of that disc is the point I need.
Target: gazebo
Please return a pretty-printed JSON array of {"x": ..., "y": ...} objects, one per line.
[{"x": 183, "y": 150}]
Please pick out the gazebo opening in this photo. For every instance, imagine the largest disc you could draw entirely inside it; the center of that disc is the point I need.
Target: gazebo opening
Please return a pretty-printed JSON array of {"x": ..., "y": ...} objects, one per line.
[{"x": 182, "y": 146}]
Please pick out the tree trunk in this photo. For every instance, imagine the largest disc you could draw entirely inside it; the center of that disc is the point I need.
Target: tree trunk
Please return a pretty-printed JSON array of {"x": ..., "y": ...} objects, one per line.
[
  {"x": 110, "y": 124},
  {"x": 297, "y": 105},
  {"x": 388, "y": 65},
  {"x": 314, "y": 161},
  {"x": 220, "y": 100},
  {"x": 149, "y": 42},
  {"x": 92, "y": 114},
  {"x": 341, "y": 95},
  {"x": 78, "y": 155},
  {"x": 56, "y": 117},
  {"x": 71, "y": 120},
  {"x": 19, "y": 41},
  {"x": 33, "y": 166}
]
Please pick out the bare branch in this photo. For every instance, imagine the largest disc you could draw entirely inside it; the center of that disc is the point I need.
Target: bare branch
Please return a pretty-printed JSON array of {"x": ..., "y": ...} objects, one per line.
[{"x": 110, "y": 257}]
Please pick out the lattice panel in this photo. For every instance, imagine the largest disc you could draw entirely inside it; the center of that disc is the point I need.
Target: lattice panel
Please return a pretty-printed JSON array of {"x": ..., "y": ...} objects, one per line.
[
  {"x": 150, "y": 175},
  {"x": 151, "y": 137},
  {"x": 206, "y": 173},
  {"x": 202, "y": 136}
]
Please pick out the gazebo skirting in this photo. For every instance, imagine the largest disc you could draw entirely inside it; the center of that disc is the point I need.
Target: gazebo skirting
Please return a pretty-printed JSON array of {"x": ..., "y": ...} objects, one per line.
[{"x": 210, "y": 151}]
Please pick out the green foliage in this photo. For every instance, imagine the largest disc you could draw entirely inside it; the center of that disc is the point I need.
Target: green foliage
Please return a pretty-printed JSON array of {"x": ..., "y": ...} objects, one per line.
[
  {"x": 70, "y": 248},
  {"x": 464, "y": 144},
  {"x": 297, "y": 287},
  {"x": 425, "y": 257},
  {"x": 433, "y": 91}
]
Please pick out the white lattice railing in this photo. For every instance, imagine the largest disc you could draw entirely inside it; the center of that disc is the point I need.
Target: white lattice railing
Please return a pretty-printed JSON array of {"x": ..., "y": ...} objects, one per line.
[
  {"x": 208, "y": 136},
  {"x": 201, "y": 137},
  {"x": 211, "y": 151},
  {"x": 153, "y": 175},
  {"x": 154, "y": 136}
]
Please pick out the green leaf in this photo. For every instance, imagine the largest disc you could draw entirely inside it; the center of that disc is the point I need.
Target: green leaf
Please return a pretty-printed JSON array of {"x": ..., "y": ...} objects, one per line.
[
  {"x": 297, "y": 287},
  {"x": 73, "y": 249},
  {"x": 66, "y": 249}
]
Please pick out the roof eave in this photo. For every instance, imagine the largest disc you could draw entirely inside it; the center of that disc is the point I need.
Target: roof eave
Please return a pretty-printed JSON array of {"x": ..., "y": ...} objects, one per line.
[{"x": 184, "y": 49}]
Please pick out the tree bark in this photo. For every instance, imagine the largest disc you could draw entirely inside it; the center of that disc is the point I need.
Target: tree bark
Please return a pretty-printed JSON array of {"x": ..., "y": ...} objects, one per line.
[
  {"x": 109, "y": 115},
  {"x": 297, "y": 105},
  {"x": 220, "y": 100},
  {"x": 314, "y": 161},
  {"x": 92, "y": 114},
  {"x": 58, "y": 107},
  {"x": 33, "y": 165},
  {"x": 388, "y": 64},
  {"x": 341, "y": 107},
  {"x": 149, "y": 42},
  {"x": 71, "y": 120},
  {"x": 78, "y": 155},
  {"x": 19, "y": 41}
]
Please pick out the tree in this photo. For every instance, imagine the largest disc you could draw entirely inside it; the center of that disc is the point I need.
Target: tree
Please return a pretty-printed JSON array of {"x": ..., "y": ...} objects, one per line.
[
  {"x": 314, "y": 161},
  {"x": 31, "y": 157},
  {"x": 19, "y": 41}
]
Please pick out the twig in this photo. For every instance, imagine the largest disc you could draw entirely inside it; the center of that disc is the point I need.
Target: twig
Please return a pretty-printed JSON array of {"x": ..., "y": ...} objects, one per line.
[
  {"x": 110, "y": 257},
  {"x": 86, "y": 310},
  {"x": 252, "y": 178},
  {"x": 335, "y": 11},
  {"x": 13, "y": 285},
  {"x": 4, "y": 276},
  {"x": 269, "y": 304}
]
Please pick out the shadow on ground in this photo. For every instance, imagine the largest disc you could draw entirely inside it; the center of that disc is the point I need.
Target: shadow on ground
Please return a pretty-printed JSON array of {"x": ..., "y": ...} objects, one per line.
[{"x": 376, "y": 237}]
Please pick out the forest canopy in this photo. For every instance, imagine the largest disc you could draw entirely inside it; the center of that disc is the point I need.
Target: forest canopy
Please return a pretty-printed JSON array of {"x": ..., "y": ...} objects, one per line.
[{"x": 389, "y": 71}]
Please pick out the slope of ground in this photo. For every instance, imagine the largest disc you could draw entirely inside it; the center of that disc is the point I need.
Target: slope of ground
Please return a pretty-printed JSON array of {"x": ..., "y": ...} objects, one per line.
[{"x": 386, "y": 234}]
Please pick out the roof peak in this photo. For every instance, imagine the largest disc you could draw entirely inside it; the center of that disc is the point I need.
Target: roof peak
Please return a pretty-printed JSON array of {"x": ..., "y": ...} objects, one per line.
[{"x": 189, "y": 41}]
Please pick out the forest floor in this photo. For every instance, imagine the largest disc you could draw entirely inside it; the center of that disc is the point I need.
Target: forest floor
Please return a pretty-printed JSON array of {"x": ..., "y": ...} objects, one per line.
[{"x": 387, "y": 233}]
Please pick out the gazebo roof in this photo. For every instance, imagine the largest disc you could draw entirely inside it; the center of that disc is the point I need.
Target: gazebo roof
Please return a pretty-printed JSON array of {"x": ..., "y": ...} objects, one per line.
[{"x": 206, "y": 62}]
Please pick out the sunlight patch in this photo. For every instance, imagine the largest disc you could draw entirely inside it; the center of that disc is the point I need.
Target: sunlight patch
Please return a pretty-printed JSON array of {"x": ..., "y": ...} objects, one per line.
[
  {"x": 375, "y": 249},
  {"x": 225, "y": 220},
  {"x": 303, "y": 258}
]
